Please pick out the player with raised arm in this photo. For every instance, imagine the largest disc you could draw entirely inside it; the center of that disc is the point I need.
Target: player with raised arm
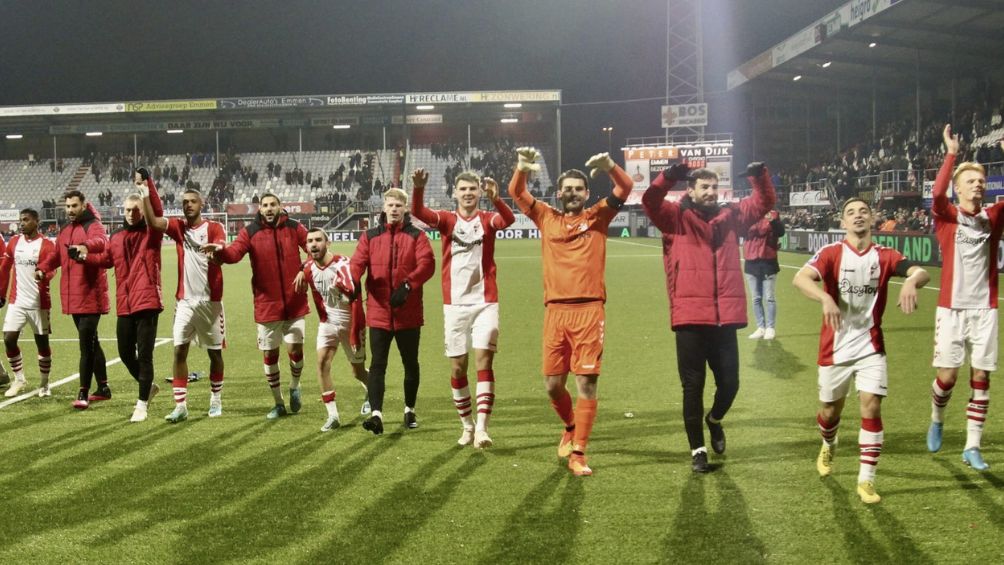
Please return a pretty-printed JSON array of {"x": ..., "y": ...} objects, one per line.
[
  {"x": 855, "y": 275},
  {"x": 470, "y": 291},
  {"x": 573, "y": 245},
  {"x": 274, "y": 241},
  {"x": 340, "y": 308},
  {"x": 134, "y": 252},
  {"x": 969, "y": 234},
  {"x": 198, "y": 315},
  {"x": 29, "y": 300},
  {"x": 83, "y": 290}
]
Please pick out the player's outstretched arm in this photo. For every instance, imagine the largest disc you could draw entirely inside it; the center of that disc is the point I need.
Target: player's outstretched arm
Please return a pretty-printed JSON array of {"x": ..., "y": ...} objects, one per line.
[
  {"x": 230, "y": 253},
  {"x": 526, "y": 162},
  {"x": 419, "y": 178},
  {"x": 806, "y": 281},
  {"x": 916, "y": 278},
  {"x": 664, "y": 214},
  {"x": 764, "y": 197},
  {"x": 505, "y": 217},
  {"x": 153, "y": 208},
  {"x": 940, "y": 204}
]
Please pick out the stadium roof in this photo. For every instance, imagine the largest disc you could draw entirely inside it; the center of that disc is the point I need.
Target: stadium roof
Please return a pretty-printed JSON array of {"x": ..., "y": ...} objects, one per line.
[
  {"x": 264, "y": 111},
  {"x": 888, "y": 42}
]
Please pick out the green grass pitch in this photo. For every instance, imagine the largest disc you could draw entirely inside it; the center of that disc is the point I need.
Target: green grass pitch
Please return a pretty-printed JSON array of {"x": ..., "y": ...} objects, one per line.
[{"x": 91, "y": 487}]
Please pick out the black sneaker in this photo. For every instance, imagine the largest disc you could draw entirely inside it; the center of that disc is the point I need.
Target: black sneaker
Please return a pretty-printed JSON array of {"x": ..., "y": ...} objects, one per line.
[
  {"x": 410, "y": 420},
  {"x": 373, "y": 424},
  {"x": 700, "y": 462},
  {"x": 102, "y": 393},
  {"x": 717, "y": 435}
]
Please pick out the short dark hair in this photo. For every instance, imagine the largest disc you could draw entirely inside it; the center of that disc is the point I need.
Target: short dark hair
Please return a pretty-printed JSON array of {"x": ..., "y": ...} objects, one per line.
[
  {"x": 700, "y": 174},
  {"x": 320, "y": 230},
  {"x": 270, "y": 195},
  {"x": 74, "y": 194},
  {"x": 195, "y": 191},
  {"x": 573, "y": 174},
  {"x": 843, "y": 205},
  {"x": 30, "y": 212}
]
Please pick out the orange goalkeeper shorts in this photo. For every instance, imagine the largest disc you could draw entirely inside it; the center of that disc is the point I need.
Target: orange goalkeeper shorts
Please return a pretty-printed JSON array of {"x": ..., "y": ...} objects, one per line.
[{"x": 573, "y": 338}]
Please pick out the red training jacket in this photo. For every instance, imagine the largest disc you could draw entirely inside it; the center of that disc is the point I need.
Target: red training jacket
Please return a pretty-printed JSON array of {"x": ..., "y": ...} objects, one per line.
[{"x": 83, "y": 289}]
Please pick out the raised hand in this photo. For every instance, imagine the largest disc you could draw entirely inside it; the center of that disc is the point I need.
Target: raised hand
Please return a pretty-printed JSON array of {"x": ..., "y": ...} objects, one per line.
[
  {"x": 678, "y": 172},
  {"x": 599, "y": 162},
  {"x": 951, "y": 141},
  {"x": 527, "y": 159},
  {"x": 491, "y": 188},
  {"x": 419, "y": 177}
]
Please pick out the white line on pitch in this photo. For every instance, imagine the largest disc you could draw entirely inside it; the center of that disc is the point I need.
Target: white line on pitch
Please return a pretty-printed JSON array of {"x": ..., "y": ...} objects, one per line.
[
  {"x": 27, "y": 338},
  {"x": 160, "y": 341}
]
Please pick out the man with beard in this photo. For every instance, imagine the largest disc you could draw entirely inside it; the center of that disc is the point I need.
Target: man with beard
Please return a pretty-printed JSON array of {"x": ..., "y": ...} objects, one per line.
[
  {"x": 573, "y": 246},
  {"x": 83, "y": 290},
  {"x": 706, "y": 288},
  {"x": 274, "y": 241},
  {"x": 341, "y": 312},
  {"x": 198, "y": 316},
  {"x": 397, "y": 260},
  {"x": 134, "y": 251},
  {"x": 470, "y": 292}
]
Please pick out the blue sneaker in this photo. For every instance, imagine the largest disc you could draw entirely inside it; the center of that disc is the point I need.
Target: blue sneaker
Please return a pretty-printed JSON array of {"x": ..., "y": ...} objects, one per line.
[
  {"x": 277, "y": 412},
  {"x": 294, "y": 400},
  {"x": 974, "y": 459},
  {"x": 934, "y": 437}
]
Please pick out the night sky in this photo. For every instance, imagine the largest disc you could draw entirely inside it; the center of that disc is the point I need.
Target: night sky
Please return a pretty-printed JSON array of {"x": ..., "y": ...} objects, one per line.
[{"x": 591, "y": 50}]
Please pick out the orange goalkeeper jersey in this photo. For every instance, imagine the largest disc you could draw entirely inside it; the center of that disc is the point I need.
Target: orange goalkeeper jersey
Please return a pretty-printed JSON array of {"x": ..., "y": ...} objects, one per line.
[{"x": 573, "y": 247}]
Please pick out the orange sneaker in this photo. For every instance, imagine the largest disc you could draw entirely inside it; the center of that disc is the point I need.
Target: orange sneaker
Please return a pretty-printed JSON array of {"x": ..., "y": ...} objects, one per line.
[
  {"x": 565, "y": 445},
  {"x": 577, "y": 465}
]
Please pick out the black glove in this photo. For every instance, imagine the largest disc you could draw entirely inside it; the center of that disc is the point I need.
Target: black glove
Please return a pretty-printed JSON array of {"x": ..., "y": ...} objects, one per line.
[
  {"x": 678, "y": 172},
  {"x": 73, "y": 253},
  {"x": 755, "y": 169},
  {"x": 400, "y": 295},
  {"x": 143, "y": 173}
]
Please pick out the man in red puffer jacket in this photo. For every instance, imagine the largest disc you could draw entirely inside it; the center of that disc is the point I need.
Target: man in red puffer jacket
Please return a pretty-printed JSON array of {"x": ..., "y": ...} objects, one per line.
[
  {"x": 83, "y": 290},
  {"x": 706, "y": 292},
  {"x": 134, "y": 251},
  {"x": 398, "y": 259},
  {"x": 274, "y": 241}
]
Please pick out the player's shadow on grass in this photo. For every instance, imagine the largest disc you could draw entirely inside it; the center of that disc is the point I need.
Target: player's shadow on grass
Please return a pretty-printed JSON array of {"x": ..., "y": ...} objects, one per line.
[
  {"x": 771, "y": 357},
  {"x": 383, "y": 526},
  {"x": 967, "y": 479},
  {"x": 543, "y": 527},
  {"x": 14, "y": 458},
  {"x": 725, "y": 532}
]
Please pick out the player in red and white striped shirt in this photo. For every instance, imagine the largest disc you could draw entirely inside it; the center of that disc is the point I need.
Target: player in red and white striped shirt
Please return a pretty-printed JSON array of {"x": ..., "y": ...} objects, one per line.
[
  {"x": 342, "y": 322},
  {"x": 470, "y": 292},
  {"x": 855, "y": 275},
  {"x": 969, "y": 235},
  {"x": 198, "y": 316},
  {"x": 29, "y": 300}
]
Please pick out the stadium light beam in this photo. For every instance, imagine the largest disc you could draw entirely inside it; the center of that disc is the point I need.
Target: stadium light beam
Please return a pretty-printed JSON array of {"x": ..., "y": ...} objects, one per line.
[
  {"x": 14, "y": 136},
  {"x": 94, "y": 134},
  {"x": 175, "y": 131},
  {"x": 341, "y": 126},
  {"x": 509, "y": 120},
  {"x": 425, "y": 107},
  {"x": 512, "y": 105}
]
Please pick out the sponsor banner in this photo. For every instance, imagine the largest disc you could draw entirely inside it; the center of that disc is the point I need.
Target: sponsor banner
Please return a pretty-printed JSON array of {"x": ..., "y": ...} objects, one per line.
[
  {"x": 483, "y": 97},
  {"x": 439, "y": 98},
  {"x": 621, "y": 220},
  {"x": 363, "y": 99},
  {"x": 418, "y": 119},
  {"x": 265, "y": 102},
  {"x": 10, "y": 215},
  {"x": 684, "y": 115},
  {"x": 350, "y": 120},
  {"x": 808, "y": 198},
  {"x": 921, "y": 248},
  {"x": 171, "y": 105},
  {"x": 642, "y": 164},
  {"x": 61, "y": 109},
  {"x": 138, "y": 127},
  {"x": 292, "y": 208}
]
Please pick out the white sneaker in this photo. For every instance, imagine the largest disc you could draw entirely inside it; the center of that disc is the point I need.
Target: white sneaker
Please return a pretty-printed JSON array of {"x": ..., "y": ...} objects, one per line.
[
  {"x": 757, "y": 334},
  {"x": 467, "y": 437},
  {"x": 769, "y": 333},
  {"x": 215, "y": 407},
  {"x": 44, "y": 392},
  {"x": 139, "y": 414},
  {"x": 365, "y": 410},
  {"x": 330, "y": 424},
  {"x": 16, "y": 387},
  {"x": 481, "y": 439}
]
